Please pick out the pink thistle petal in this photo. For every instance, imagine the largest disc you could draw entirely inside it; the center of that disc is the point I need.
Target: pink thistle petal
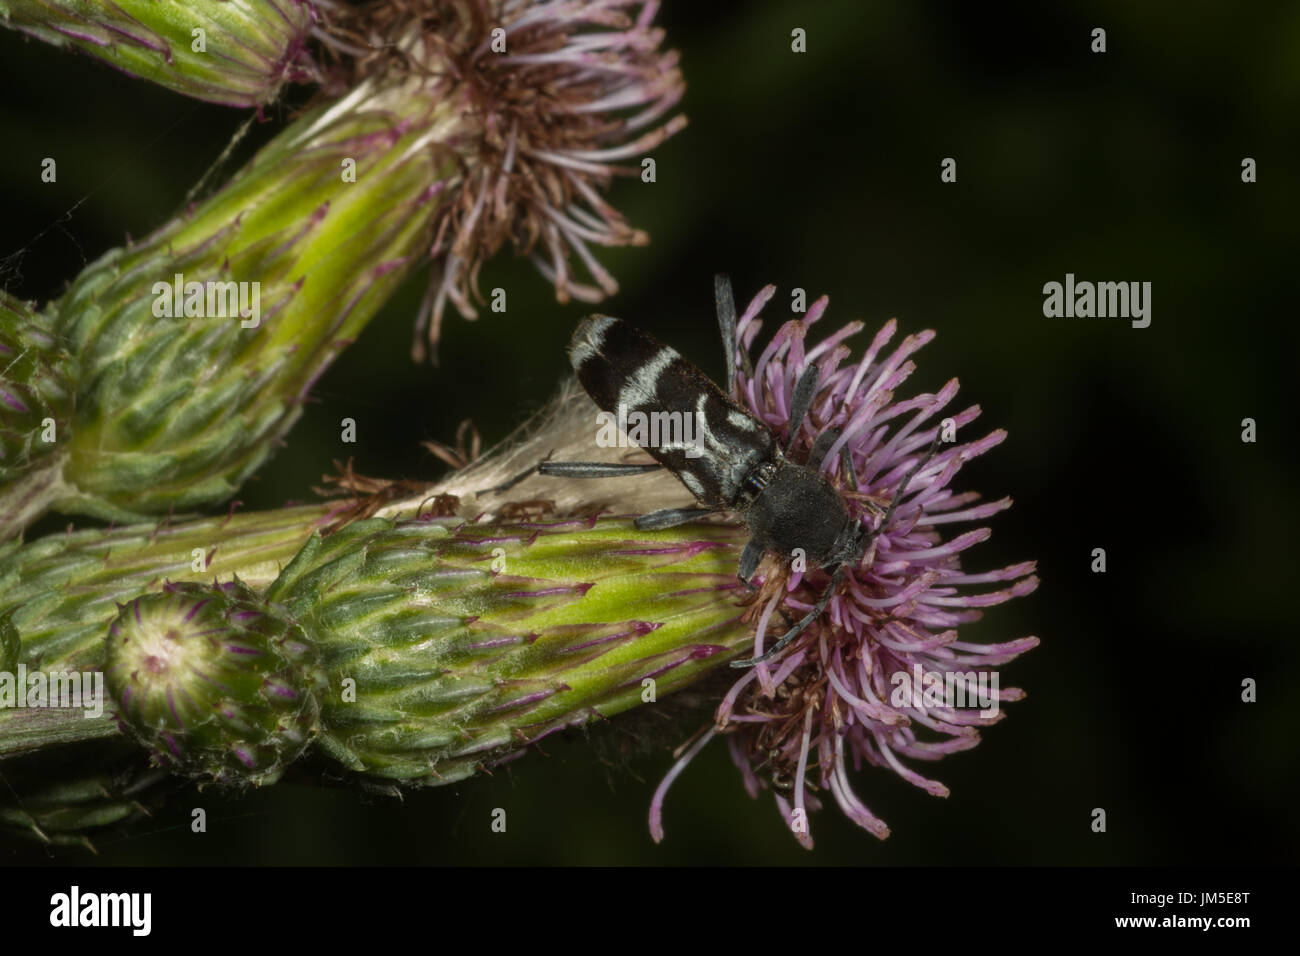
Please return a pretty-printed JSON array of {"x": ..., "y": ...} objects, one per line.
[{"x": 657, "y": 803}]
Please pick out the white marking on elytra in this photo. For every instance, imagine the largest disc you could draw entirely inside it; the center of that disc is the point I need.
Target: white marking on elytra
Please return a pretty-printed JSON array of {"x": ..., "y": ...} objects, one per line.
[
  {"x": 706, "y": 436},
  {"x": 639, "y": 389},
  {"x": 592, "y": 338},
  {"x": 692, "y": 483},
  {"x": 742, "y": 421},
  {"x": 730, "y": 463}
]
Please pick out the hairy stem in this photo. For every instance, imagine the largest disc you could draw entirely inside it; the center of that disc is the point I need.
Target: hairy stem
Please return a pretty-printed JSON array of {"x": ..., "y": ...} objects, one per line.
[{"x": 26, "y": 729}]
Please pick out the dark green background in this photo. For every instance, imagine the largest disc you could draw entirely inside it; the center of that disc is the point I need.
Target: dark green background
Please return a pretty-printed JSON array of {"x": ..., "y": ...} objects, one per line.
[{"x": 821, "y": 171}]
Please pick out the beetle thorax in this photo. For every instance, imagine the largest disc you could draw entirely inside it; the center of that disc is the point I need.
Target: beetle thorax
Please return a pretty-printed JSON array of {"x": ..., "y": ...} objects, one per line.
[{"x": 799, "y": 508}]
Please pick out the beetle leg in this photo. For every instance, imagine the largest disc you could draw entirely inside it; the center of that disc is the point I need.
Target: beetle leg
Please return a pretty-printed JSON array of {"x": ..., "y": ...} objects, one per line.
[
  {"x": 574, "y": 469},
  {"x": 669, "y": 518},
  {"x": 749, "y": 560}
]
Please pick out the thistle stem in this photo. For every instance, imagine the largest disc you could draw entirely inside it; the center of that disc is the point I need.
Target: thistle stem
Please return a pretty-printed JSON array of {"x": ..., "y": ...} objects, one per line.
[{"x": 26, "y": 729}]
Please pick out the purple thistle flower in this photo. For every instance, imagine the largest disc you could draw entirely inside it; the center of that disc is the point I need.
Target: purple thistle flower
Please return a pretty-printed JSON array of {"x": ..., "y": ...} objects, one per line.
[
  {"x": 871, "y": 680},
  {"x": 562, "y": 96}
]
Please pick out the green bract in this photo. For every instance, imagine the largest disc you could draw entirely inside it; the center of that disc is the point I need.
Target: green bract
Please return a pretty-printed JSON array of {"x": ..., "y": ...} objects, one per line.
[
  {"x": 59, "y": 795},
  {"x": 37, "y": 379},
  {"x": 236, "y": 52}
]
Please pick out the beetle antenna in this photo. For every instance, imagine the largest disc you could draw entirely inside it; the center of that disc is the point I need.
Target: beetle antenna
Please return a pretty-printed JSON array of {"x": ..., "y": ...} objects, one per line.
[
  {"x": 902, "y": 485},
  {"x": 799, "y": 628}
]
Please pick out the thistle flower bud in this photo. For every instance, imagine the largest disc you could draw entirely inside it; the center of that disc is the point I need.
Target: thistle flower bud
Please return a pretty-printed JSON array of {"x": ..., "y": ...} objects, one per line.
[
  {"x": 450, "y": 646},
  {"x": 218, "y": 686},
  {"x": 234, "y": 52},
  {"x": 197, "y": 346},
  {"x": 37, "y": 374}
]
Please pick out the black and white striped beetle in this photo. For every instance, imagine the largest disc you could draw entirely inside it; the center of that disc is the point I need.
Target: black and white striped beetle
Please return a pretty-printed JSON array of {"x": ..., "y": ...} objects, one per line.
[{"x": 738, "y": 464}]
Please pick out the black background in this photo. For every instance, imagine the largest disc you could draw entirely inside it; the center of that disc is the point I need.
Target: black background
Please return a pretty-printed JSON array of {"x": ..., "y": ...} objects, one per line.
[{"x": 821, "y": 171}]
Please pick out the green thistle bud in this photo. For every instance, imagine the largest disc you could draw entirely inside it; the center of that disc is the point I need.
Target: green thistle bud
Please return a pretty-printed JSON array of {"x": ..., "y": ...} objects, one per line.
[
  {"x": 450, "y": 646},
  {"x": 198, "y": 345},
  {"x": 235, "y": 52},
  {"x": 37, "y": 375},
  {"x": 214, "y": 682}
]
